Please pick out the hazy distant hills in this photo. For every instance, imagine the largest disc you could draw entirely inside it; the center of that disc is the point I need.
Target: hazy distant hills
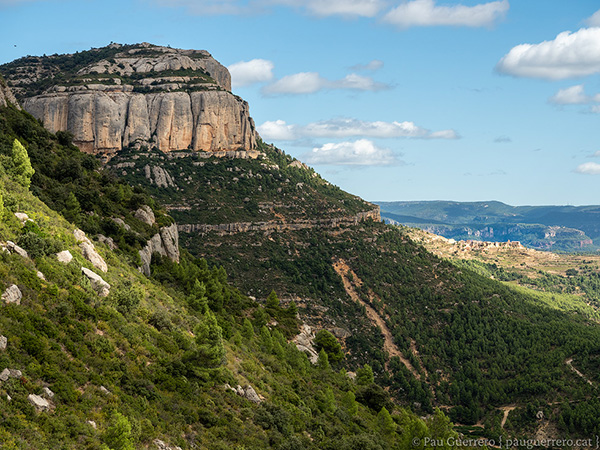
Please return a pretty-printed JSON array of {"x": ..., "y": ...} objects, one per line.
[{"x": 562, "y": 228}]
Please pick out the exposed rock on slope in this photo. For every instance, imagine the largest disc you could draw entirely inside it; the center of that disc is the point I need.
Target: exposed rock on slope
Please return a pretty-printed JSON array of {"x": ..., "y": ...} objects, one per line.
[
  {"x": 161, "y": 97},
  {"x": 165, "y": 242},
  {"x": 6, "y": 96}
]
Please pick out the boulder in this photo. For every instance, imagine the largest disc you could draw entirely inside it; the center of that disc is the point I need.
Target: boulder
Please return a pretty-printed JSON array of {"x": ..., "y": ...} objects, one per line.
[
  {"x": 80, "y": 236},
  {"x": 12, "y": 295},
  {"x": 98, "y": 284},
  {"x": 4, "y": 375},
  {"x": 39, "y": 403},
  {"x": 14, "y": 248},
  {"x": 92, "y": 424},
  {"x": 251, "y": 395},
  {"x": 89, "y": 252},
  {"x": 161, "y": 445},
  {"x": 304, "y": 343},
  {"x": 47, "y": 393},
  {"x": 3, "y": 342},
  {"x": 64, "y": 257},
  {"x": 22, "y": 217},
  {"x": 40, "y": 275},
  {"x": 146, "y": 215},
  {"x": 110, "y": 243},
  {"x": 165, "y": 242}
]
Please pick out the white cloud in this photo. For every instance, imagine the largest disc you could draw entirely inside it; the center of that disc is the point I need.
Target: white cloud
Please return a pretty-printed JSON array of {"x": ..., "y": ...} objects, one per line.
[
  {"x": 342, "y": 128},
  {"x": 319, "y": 8},
  {"x": 358, "y": 153},
  {"x": 244, "y": 73},
  {"x": 569, "y": 55},
  {"x": 311, "y": 82},
  {"x": 427, "y": 13},
  {"x": 298, "y": 83},
  {"x": 573, "y": 95},
  {"x": 593, "y": 20},
  {"x": 345, "y": 127},
  {"x": 277, "y": 130},
  {"x": 443, "y": 134},
  {"x": 588, "y": 168},
  {"x": 596, "y": 154},
  {"x": 361, "y": 8},
  {"x": 371, "y": 66}
]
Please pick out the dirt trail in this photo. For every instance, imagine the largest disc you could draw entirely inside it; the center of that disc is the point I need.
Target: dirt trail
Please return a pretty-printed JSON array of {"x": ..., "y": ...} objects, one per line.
[
  {"x": 569, "y": 362},
  {"x": 389, "y": 346},
  {"x": 506, "y": 409}
]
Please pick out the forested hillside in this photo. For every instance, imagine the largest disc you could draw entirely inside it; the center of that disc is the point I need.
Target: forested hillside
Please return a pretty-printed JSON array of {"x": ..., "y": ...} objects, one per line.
[{"x": 118, "y": 360}]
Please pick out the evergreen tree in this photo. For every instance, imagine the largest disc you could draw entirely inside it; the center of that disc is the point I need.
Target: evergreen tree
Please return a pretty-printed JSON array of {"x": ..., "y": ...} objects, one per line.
[
  {"x": 323, "y": 361},
  {"x": 324, "y": 340},
  {"x": 349, "y": 403},
  {"x": 364, "y": 375},
  {"x": 209, "y": 341},
  {"x": 21, "y": 171},
  {"x": 197, "y": 298},
  {"x": 385, "y": 423},
  {"x": 247, "y": 329},
  {"x": 72, "y": 211},
  {"x": 272, "y": 301},
  {"x": 118, "y": 435}
]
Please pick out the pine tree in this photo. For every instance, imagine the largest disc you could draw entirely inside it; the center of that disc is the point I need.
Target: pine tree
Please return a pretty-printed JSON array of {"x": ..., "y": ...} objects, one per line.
[
  {"x": 209, "y": 341},
  {"x": 72, "y": 211},
  {"x": 323, "y": 361},
  {"x": 118, "y": 435},
  {"x": 197, "y": 298},
  {"x": 385, "y": 423},
  {"x": 364, "y": 375},
  {"x": 349, "y": 403},
  {"x": 247, "y": 329},
  {"x": 272, "y": 301},
  {"x": 21, "y": 171}
]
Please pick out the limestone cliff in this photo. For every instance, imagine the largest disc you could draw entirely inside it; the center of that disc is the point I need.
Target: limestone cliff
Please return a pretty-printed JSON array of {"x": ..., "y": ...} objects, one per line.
[
  {"x": 6, "y": 95},
  {"x": 139, "y": 95}
]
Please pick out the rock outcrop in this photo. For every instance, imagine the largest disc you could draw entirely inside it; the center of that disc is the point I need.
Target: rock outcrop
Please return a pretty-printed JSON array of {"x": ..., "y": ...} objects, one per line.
[
  {"x": 12, "y": 295},
  {"x": 302, "y": 224},
  {"x": 39, "y": 403},
  {"x": 165, "y": 242},
  {"x": 6, "y": 95},
  {"x": 98, "y": 284},
  {"x": 304, "y": 343},
  {"x": 159, "y": 97}
]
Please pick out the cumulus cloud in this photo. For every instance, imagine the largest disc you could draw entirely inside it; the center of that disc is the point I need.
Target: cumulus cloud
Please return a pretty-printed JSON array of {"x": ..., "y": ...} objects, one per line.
[
  {"x": 345, "y": 127},
  {"x": 427, "y": 13},
  {"x": 277, "y": 130},
  {"x": 593, "y": 20},
  {"x": 245, "y": 73},
  {"x": 311, "y": 82},
  {"x": 358, "y": 153},
  {"x": 573, "y": 95},
  {"x": 569, "y": 55},
  {"x": 359, "y": 8},
  {"x": 588, "y": 168},
  {"x": 371, "y": 66}
]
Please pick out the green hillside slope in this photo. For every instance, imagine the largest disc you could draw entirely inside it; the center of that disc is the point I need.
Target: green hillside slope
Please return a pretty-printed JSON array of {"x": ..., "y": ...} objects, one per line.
[{"x": 154, "y": 358}]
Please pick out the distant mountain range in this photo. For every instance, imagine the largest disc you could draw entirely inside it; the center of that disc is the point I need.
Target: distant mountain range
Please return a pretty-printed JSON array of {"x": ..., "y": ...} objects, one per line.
[{"x": 557, "y": 228}]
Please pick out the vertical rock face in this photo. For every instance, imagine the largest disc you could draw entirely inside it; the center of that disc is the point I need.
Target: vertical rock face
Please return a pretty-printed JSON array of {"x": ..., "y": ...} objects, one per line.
[
  {"x": 160, "y": 97},
  {"x": 6, "y": 95},
  {"x": 165, "y": 242},
  {"x": 107, "y": 121}
]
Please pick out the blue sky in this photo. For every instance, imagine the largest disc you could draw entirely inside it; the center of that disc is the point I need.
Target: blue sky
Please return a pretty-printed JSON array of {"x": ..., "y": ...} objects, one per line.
[{"x": 391, "y": 100}]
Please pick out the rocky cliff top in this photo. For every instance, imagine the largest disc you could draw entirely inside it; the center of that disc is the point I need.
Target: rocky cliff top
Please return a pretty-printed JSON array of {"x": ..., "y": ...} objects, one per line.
[
  {"x": 143, "y": 67},
  {"x": 142, "y": 95}
]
